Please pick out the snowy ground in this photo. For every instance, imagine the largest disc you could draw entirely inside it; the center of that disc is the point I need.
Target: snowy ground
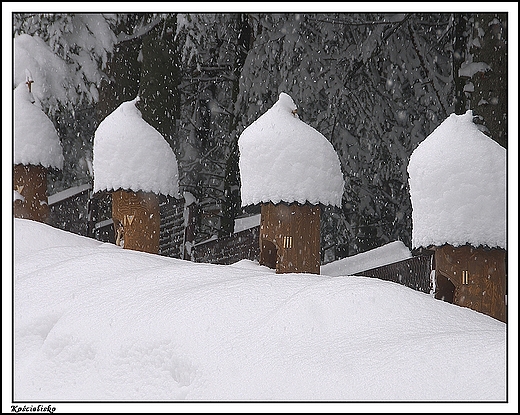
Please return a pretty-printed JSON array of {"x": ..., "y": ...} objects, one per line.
[{"x": 95, "y": 322}]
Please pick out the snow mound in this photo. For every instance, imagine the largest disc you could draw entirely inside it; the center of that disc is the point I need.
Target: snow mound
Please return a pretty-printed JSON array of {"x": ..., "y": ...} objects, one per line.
[
  {"x": 457, "y": 178},
  {"x": 35, "y": 235},
  {"x": 35, "y": 138},
  {"x": 284, "y": 159},
  {"x": 97, "y": 323},
  {"x": 130, "y": 154}
]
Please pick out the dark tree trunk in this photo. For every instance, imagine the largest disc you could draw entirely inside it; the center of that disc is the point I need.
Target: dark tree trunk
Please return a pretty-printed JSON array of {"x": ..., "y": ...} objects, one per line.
[
  {"x": 231, "y": 203},
  {"x": 160, "y": 77},
  {"x": 460, "y": 41},
  {"x": 489, "y": 100},
  {"x": 122, "y": 82}
]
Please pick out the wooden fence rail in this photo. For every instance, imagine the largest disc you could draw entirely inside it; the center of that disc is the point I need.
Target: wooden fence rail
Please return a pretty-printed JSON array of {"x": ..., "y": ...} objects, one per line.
[
  {"x": 414, "y": 272},
  {"x": 76, "y": 211}
]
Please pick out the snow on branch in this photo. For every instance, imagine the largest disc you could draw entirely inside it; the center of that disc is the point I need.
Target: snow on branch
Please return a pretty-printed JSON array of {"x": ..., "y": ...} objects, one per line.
[{"x": 143, "y": 30}]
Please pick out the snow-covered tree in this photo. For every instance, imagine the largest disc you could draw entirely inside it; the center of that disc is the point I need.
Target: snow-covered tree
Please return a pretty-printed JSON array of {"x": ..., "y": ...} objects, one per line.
[
  {"x": 79, "y": 46},
  {"x": 375, "y": 84},
  {"x": 214, "y": 50},
  {"x": 67, "y": 54}
]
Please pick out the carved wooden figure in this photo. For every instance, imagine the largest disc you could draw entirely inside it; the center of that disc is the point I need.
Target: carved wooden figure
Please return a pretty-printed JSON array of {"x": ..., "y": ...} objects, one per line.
[
  {"x": 30, "y": 184},
  {"x": 137, "y": 220}
]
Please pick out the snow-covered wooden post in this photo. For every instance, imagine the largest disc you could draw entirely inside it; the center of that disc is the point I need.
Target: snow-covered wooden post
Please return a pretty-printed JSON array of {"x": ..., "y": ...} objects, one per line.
[
  {"x": 290, "y": 169},
  {"x": 457, "y": 179},
  {"x": 36, "y": 149},
  {"x": 134, "y": 162}
]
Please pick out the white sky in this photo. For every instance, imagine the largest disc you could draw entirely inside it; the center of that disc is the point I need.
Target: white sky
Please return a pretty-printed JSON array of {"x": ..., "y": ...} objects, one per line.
[{"x": 96, "y": 322}]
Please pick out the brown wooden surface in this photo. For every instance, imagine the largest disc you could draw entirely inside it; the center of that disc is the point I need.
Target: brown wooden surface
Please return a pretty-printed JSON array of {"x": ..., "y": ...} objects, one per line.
[
  {"x": 294, "y": 232},
  {"x": 31, "y": 182},
  {"x": 479, "y": 277},
  {"x": 137, "y": 219}
]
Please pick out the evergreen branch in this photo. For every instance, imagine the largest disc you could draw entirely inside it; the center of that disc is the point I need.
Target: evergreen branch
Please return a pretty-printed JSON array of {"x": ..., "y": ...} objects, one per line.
[
  {"x": 347, "y": 23},
  {"x": 359, "y": 62},
  {"x": 123, "y": 37}
]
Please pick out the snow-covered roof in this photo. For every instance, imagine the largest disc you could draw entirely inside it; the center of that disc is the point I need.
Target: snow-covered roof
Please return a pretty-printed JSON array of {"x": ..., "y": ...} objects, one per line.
[
  {"x": 284, "y": 159},
  {"x": 35, "y": 138},
  {"x": 457, "y": 179},
  {"x": 130, "y": 154}
]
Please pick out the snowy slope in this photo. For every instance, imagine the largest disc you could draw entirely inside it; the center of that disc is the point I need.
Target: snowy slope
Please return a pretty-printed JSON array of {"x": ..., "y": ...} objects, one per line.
[{"x": 97, "y": 322}]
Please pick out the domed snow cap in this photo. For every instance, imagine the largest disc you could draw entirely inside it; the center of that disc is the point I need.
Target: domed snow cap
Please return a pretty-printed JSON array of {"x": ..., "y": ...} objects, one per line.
[
  {"x": 130, "y": 154},
  {"x": 35, "y": 138},
  {"x": 457, "y": 179},
  {"x": 284, "y": 159}
]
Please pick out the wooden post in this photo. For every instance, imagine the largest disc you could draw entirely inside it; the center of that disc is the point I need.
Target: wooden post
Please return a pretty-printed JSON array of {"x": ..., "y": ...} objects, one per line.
[
  {"x": 479, "y": 277},
  {"x": 30, "y": 182},
  {"x": 137, "y": 220},
  {"x": 290, "y": 237}
]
